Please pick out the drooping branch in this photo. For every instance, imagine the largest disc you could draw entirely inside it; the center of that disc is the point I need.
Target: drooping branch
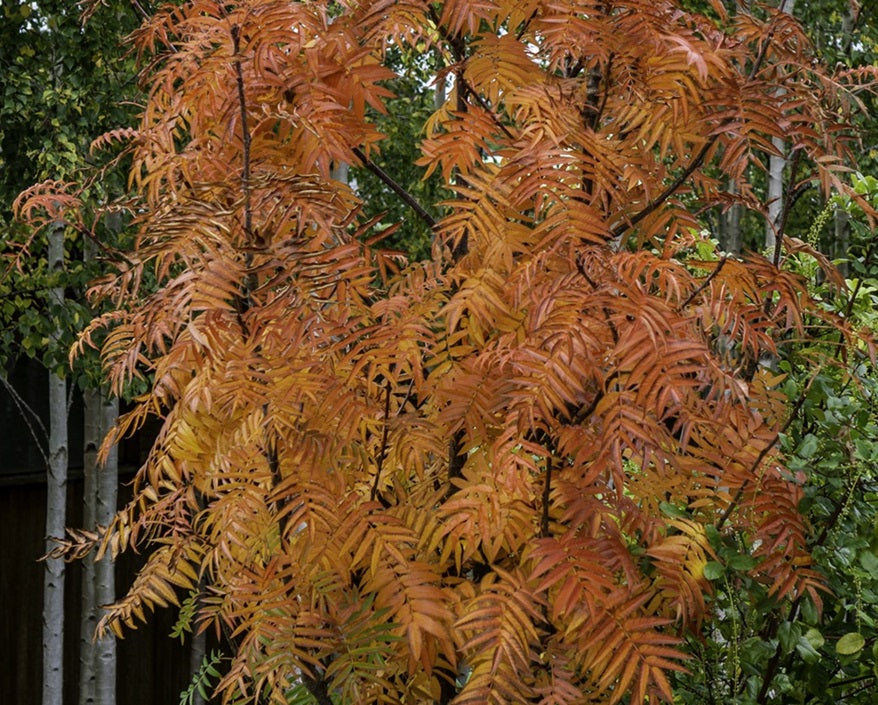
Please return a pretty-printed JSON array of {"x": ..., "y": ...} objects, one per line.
[{"x": 800, "y": 402}]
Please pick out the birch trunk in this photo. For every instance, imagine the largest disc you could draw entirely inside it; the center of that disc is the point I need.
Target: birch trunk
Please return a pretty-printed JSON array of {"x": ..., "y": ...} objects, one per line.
[
  {"x": 56, "y": 506},
  {"x": 97, "y": 659},
  {"x": 105, "y": 581},
  {"x": 730, "y": 238},
  {"x": 89, "y": 619},
  {"x": 776, "y": 165}
]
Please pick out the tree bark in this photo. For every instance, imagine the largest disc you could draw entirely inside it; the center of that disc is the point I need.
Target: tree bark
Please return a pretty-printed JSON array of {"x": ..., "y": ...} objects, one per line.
[
  {"x": 88, "y": 621},
  {"x": 105, "y": 581},
  {"x": 196, "y": 658},
  {"x": 56, "y": 505},
  {"x": 97, "y": 658},
  {"x": 776, "y": 165},
  {"x": 730, "y": 239}
]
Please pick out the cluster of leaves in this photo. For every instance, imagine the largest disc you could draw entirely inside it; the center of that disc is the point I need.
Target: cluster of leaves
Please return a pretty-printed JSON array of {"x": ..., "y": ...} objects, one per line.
[
  {"x": 507, "y": 473},
  {"x": 203, "y": 680},
  {"x": 62, "y": 85},
  {"x": 807, "y": 651}
]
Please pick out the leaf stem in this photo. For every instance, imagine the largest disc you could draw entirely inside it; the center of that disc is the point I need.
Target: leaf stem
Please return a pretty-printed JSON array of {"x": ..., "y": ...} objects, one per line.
[
  {"x": 547, "y": 491},
  {"x": 374, "y": 494}
]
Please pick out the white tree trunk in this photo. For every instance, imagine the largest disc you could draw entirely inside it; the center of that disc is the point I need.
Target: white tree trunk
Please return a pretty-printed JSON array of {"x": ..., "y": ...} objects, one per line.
[
  {"x": 56, "y": 507},
  {"x": 97, "y": 659},
  {"x": 93, "y": 417},
  {"x": 341, "y": 172},
  {"x": 776, "y": 165},
  {"x": 105, "y": 582},
  {"x": 730, "y": 239}
]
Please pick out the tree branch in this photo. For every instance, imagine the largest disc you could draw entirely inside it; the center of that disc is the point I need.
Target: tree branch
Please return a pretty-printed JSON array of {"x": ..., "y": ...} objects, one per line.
[
  {"x": 696, "y": 162},
  {"x": 765, "y": 451},
  {"x": 245, "y": 133},
  {"x": 705, "y": 283},
  {"x": 394, "y": 186}
]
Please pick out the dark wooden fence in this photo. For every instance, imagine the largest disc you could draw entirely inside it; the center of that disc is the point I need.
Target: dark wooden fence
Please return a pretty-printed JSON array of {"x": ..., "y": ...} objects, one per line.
[{"x": 152, "y": 668}]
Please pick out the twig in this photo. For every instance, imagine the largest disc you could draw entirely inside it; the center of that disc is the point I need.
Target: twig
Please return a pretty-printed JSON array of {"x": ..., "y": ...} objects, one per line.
[
  {"x": 28, "y": 414},
  {"x": 547, "y": 491}
]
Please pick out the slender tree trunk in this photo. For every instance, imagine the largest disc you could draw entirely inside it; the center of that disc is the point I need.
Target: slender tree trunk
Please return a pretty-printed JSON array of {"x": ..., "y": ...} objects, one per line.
[
  {"x": 89, "y": 619},
  {"x": 341, "y": 172},
  {"x": 776, "y": 165},
  {"x": 56, "y": 506},
  {"x": 730, "y": 239},
  {"x": 105, "y": 581},
  {"x": 97, "y": 658}
]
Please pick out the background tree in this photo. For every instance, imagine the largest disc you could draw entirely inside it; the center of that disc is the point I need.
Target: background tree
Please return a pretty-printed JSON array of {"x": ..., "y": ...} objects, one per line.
[
  {"x": 63, "y": 84},
  {"x": 509, "y": 472}
]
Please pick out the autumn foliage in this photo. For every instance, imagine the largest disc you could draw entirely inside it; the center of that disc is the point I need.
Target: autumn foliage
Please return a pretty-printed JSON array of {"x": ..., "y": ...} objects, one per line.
[{"x": 490, "y": 477}]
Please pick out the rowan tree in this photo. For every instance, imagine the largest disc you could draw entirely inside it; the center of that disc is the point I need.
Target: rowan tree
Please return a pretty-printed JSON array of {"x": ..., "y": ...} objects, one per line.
[{"x": 496, "y": 475}]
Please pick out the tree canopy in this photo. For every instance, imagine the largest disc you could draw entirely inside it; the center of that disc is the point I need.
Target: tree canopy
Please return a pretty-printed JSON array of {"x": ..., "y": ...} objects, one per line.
[{"x": 521, "y": 468}]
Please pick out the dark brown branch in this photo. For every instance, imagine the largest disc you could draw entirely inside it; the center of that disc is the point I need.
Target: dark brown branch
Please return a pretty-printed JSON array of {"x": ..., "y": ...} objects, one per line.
[
  {"x": 317, "y": 688},
  {"x": 696, "y": 162},
  {"x": 383, "y": 452},
  {"x": 394, "y": 186},
  {"x": 660, "y": 200},
  {"x": 524, "y": 25},
  {"x": 245, "y": 133},
  {"x": 705, "y": 283},
  {"x": 458, "y": 49},
  {"x": 785, "y": 213},
  {"x": 456, "y": 460}
]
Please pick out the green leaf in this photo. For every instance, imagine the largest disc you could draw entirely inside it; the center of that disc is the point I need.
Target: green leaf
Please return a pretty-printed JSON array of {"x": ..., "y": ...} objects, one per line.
[
  {"x": 807, "y": 651},
  {"x": 814, "y": 638},
  {"x": 850, "y": 643},
  {"x": 869, "y": 561},
  {"x": 672, "y": 510},
  {"x": 789, "y": 635},
  {"x": 742, "y": 562},
  {"x": 713, "y": 570},
  {"x": 808, "y": 447}
]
